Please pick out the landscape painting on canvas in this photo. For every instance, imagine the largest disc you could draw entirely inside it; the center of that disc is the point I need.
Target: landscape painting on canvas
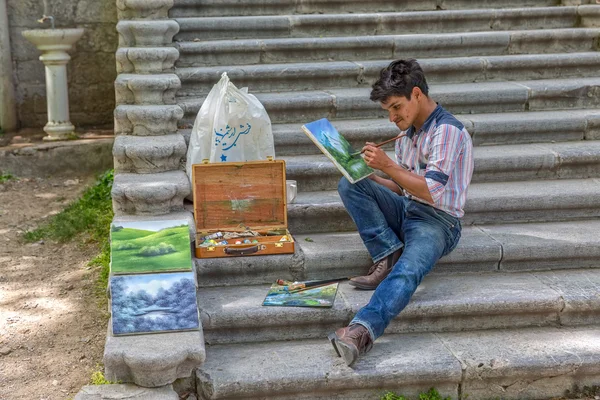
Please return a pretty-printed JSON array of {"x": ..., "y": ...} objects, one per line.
[
  {"x": 337, "y": 148},
  {"x": 152, "y": 303},
  {"x": 150, "y": 246},
  {"x": 320, "y": 296}
]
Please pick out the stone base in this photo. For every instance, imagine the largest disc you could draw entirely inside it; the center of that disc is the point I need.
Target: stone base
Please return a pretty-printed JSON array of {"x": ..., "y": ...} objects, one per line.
[{"x": 125, "y": 392}]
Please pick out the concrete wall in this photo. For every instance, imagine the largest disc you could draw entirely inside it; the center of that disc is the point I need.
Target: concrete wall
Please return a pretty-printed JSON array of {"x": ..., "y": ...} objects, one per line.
[{"x": 92, "y": 68}]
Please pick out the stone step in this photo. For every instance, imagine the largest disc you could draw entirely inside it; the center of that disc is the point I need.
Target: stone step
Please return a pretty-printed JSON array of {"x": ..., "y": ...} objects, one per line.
[
  {"x": 147, "y": 120},
  {"x": 147, "y": 155},
  {"x": 442, "y": 303},
  {"x": 500, "y": 163},
  {"x": 153, "y": 360},
  {"x": 487, "y": 203},
  {"x": 146, "y": 89},
  {"x": 485, "y": 129},
  {"x": 347, "y": 74},
  {"x": 505, "y": 247},
  {"x": 125, "y": 391},
  {"x": 526, "y": 363},
  {"x": 146, "y": 60},
  {"x": 465, "y": 98},
  {"x": 149, "y": 194},
  {"x": 393, "y": 23},
  {"x": 221, "y": 8},
  {"x": 362, "y": 48}
]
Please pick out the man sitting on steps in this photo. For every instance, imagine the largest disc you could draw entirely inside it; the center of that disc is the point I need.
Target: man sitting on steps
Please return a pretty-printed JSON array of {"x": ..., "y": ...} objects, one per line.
[{"x": 410, "y": 221}]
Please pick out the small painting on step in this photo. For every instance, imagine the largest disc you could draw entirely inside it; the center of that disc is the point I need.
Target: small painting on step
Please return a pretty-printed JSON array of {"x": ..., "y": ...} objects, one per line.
[{"x": 153, "y": 303}]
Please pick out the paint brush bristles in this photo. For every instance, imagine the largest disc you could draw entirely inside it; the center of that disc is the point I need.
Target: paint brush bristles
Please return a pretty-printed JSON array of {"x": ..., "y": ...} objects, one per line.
[{"x": 379, "y": 144}]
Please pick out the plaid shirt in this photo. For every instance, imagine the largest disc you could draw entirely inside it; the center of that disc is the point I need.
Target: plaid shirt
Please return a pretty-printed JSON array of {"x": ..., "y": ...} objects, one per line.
[{"x": 442, "y": 152}]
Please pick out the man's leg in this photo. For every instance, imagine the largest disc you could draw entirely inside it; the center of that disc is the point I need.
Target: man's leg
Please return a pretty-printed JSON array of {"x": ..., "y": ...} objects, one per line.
[
  {"x": 378, "y": 214},
  {"x": 427, "y": 239}
]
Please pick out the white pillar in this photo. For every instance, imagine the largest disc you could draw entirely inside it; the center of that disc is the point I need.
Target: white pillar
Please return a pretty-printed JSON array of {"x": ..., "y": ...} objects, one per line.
[
  {"x": 54, "y": 44},
  {"x": 8, "y": 110},
  {"x": 59, "y": 126}
]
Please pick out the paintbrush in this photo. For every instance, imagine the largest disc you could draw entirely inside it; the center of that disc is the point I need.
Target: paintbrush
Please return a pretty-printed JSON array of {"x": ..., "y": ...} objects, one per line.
[
  {"x": 296, "y": 286},
  {"x": 380, "y": 144}
]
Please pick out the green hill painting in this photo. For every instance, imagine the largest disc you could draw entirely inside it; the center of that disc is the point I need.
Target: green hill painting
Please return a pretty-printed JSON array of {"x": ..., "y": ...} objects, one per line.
[{"x": 150, "y": 246}]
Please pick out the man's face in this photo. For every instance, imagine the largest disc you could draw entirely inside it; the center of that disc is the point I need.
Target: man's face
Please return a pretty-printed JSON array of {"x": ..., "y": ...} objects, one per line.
[{"x": 402, "y": 111}]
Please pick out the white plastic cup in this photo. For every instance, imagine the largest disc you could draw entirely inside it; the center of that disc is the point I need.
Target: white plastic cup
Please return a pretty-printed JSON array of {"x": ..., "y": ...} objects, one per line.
[{"x": 291, "y": 190}]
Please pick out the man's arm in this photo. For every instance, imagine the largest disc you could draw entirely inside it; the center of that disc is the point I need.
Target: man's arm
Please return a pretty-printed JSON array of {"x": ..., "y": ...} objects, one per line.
[
  {"x": 388, "y": 183},
  {"x": 413, "y": 183}
]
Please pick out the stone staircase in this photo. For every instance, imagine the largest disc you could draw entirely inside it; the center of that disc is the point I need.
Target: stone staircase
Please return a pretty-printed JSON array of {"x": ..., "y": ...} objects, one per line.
[{"x": 512, "y": 313}]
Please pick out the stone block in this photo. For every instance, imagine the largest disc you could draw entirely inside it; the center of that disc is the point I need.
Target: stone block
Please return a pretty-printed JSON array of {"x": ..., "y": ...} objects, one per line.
[
  {"x": 248, "y": 270},
  {"x": 145, "y": 155},
  {"x": 530, "y": 127},
  {"x": 470, "y": 98},
  {"x": 330, "y": 49},
  {"x": 589, "y": 15},
  {"x": 450, "y": 45},
  {"x": 546, "y": 66},
  {"x": 102, "y": 38},
  {"x": 408, "y": 364},
  {"x": 554, "y": 41},
  {"x": 535, "y": 201},
  {"x": 144, "y": 9},
  {"x": 93, "y": 98},
  {"x": 93, "y": 12},
  {"x": 527, "y": 363},
  {"x": 576, "y": 159},
  {"x": 226, "y": 52},
  {"x": 87, "y": 68},
  {"x": 355, "y": 103},
  {"x": 322, "y": 25},
  {"x": 150, "y": 194},
  {"x": 30, "y": 72},
  {"x": 236, "y": 28},
  {"x": 549, "y": 245},
  {"x": 579, "y": 294},
  {"x": 271, "y": 77},
  {"x": 528, "y": 18},
  {"x": 125, "y": 391},
  {"x": 146, "y": 60},
  {"x": 146, "y": 33},
  {"x": 146, "y": 89},
  {"x": 20, "y": 48},
  {"x": 563, "y": 93},
  {"x": 592, "y": 131},
  {"x": 153, "y": 360},
  {"x": 147, "y": 120},
  {"x": 59, "y": 159}
]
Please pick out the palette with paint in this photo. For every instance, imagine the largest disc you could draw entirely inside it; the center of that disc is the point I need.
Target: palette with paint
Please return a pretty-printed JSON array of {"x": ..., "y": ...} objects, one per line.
[{"x": 234, "y": 197}]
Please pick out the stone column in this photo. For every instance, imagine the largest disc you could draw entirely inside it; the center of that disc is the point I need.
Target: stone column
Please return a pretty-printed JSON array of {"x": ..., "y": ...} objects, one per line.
[{"x": 8, "y": 111}]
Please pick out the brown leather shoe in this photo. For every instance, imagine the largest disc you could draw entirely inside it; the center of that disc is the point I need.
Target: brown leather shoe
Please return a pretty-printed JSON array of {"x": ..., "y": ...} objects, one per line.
[
  {"x": 351, "y": 342},
  {"x": 378, "y": 272}
]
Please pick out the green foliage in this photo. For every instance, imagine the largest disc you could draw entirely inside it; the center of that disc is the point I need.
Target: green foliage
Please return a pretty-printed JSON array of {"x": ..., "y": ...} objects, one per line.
[
  {"x": 161, "y": 249},
  {"x": 432, "y": 394},
  {"x": 125, "y": 246},
  {"x": 6, "y": 176},
  {"x": 98, "y": 377},
  {"x": 90, "y": 214}
]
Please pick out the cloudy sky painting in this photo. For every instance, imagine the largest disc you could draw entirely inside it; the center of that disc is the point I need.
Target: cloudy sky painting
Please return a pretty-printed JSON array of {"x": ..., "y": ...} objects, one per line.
[{"x": 153, "y": 303}]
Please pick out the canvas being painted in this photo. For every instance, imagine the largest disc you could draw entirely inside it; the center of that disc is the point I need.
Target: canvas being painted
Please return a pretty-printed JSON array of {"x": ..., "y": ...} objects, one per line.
[
  {"x": 150, "y": 246},
  {"x": 153, "y": 303},
  {"x": 337, "y": 148}
]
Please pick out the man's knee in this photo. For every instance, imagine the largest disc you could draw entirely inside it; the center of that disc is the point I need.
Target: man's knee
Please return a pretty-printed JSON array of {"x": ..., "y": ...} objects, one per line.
[{"x": 344, "y": 186}]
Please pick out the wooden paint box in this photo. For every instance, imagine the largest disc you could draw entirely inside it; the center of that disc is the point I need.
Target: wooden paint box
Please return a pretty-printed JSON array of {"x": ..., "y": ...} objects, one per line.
[{"x": 230, "y": 195}]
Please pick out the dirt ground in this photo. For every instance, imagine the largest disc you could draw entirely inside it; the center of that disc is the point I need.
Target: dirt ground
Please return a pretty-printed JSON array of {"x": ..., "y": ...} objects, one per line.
[{"x": 51, "y": 329}]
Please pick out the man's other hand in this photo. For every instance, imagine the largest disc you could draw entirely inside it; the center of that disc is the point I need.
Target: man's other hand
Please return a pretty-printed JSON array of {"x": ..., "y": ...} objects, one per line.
[{"x": 375, "y": 157}]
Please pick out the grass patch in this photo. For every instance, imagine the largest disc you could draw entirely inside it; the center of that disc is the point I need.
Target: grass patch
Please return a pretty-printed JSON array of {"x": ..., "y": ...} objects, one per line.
[
  {"x": 90, "y": 216},
  {"x": 6, "y": 176},
  {"x": 98, "y": 377},
  {"x": 432, "y": 394}
]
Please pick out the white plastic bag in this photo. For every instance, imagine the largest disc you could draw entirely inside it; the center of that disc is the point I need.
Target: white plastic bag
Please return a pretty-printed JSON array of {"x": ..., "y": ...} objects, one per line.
[{"x": 232, "y": 125}]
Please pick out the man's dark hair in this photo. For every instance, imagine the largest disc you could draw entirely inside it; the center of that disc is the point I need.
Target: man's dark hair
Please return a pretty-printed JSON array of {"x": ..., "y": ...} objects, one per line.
[{"x": 399, "y": 79}]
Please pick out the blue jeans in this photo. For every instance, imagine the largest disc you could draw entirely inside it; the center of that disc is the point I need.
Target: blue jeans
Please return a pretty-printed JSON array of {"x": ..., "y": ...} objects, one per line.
[{"x": 387, "y": 222}]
